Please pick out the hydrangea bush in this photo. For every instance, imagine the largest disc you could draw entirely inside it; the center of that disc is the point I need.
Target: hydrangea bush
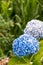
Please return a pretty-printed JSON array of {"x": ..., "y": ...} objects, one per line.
[
  {"x": 25, "y": 45},
  {"x": 34, "y": 28}
]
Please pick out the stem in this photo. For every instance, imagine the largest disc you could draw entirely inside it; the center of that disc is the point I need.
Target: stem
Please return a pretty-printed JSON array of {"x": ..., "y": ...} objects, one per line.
[{"x": 24, "y": 59}]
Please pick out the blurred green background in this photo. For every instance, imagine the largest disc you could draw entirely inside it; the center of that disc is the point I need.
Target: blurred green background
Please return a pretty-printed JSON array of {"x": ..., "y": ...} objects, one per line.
[{"x": 14, "y": 15}]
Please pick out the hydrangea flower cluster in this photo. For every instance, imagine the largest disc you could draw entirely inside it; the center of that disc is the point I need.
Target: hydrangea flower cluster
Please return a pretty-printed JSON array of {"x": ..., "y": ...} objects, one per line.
[
  {"x": 34, "y": 28},
  {"x": 24, "y": 45}
]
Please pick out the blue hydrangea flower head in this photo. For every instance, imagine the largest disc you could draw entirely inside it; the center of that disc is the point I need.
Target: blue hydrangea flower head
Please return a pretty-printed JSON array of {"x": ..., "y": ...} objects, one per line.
[
  {"x": 34, "y": 28},
  {"x": 25, "y": 45}
]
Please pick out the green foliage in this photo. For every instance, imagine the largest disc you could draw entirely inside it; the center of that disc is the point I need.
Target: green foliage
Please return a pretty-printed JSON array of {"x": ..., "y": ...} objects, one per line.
[
  {"x": 1, "y": 53},
  {"x": 26, "y": 10},
  {"x": 6, "y": 8},
  {"x": 6, "y": 36},
  {"x": 14, "y": 14}
]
